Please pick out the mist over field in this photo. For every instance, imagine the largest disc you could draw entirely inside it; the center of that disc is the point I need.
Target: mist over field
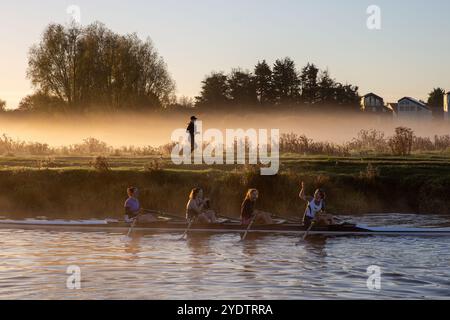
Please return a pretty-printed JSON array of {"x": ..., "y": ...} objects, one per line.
[{"x": 144, "y": 129}]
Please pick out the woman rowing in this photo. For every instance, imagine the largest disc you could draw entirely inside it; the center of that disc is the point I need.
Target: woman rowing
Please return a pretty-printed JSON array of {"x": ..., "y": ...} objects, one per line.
[
  {"x": 315, "y": 209},
  {"x": 133, "y": 210},
  {"x": 199, "y": 209},
  {"x": 248, "y": 212}
]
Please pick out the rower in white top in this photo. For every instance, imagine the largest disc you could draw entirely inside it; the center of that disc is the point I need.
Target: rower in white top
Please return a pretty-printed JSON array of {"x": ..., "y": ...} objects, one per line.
[{"x": 315, "y": 209}]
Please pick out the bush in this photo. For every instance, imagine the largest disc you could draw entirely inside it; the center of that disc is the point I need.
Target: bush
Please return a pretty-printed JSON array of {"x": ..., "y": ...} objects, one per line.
[
  {"x": 156, "y": 165},
  {"x": 300, "y": 144},
  {"x": 101, "y": 164},
  {"x": 401, "y": 143},
  {"x": 369, "y": 141}
]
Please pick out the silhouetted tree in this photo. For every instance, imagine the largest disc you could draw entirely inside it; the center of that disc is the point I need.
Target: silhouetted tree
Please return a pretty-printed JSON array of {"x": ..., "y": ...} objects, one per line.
[
  {"x": 281, "y": 86},
  {"x": 264, "y": 83},
  {"x": 42, "y": 102},
  {"x": 347, "y": 95},
  {"x": 310, "y": 87},
  {"x": 215, "y": 91},
  {"x": 286, "y": 83},
  {"x": 242, "y": 89},
  {"x": 436, "y": 101},
  {"x": 326, "y": 89},
  {"x": 87, "y": 66}
]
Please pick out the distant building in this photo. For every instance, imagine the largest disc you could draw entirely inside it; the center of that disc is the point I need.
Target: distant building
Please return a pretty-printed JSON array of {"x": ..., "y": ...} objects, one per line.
[
  {"x": 446, "y": 105},
  {"x": 413, "y": 109},
  {"x": 372, "y": 103}
]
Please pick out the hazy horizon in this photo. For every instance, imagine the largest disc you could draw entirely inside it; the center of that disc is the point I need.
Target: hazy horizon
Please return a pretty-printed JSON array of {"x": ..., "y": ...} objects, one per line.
[
  {"x": 156, "y": 129},
  {"x": 407, "y": 57}
]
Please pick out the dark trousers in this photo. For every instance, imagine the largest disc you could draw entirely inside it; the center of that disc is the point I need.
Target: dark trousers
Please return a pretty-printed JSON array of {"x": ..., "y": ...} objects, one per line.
[
  {"x": 192, "y": 142},
  {"x": 307, "y": 221}
]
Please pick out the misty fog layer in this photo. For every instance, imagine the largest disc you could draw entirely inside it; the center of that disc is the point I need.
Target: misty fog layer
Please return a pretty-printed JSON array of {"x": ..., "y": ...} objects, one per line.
[{"x": 156, "y": 129}]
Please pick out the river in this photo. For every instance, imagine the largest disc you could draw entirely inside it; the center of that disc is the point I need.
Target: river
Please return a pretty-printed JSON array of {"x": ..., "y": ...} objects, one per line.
[{"x": 34, "y": 265}]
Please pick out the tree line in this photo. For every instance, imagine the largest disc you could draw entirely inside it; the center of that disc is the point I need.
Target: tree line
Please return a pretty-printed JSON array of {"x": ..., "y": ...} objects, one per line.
[
  {"x": 279, "y": 85},
  {"x": 76, "y": 68},
  {"x": 81, "y": 69}
]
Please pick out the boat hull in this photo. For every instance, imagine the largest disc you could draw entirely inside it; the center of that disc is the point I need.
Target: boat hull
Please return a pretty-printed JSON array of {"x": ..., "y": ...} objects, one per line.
[{"x": 288, "y": 229}]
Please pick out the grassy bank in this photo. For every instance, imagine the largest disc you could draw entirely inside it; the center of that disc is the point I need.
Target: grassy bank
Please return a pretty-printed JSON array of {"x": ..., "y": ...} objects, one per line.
[{"x": 72, "y": 187}]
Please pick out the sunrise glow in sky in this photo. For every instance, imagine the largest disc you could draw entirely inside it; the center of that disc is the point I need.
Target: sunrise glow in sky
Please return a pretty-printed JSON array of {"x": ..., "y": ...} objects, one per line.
[{"x": 407, "y": 57}]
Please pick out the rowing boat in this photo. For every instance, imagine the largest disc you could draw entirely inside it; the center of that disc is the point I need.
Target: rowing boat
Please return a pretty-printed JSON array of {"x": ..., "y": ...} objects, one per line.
[{"x": 345, "y": 229}]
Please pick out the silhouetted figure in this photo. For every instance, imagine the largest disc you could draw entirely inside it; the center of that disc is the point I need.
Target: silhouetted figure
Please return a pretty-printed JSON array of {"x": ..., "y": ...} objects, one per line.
[{"x": 191, "y": 131}]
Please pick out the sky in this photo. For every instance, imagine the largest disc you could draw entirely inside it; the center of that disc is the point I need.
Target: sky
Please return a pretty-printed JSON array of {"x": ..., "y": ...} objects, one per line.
[{"x": 407, "y": 56}]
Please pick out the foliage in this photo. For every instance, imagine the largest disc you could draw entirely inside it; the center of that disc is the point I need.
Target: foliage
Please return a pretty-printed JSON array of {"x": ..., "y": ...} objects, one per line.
[
  {"x": 402, "y": 142},
  {"x": 155, "y": 165},
  {"x": 92, "y": 67},
  {"x": 101, "y": 164},
  {"x": 436, "y": 100},
  {"x": 281, "y": 85}
]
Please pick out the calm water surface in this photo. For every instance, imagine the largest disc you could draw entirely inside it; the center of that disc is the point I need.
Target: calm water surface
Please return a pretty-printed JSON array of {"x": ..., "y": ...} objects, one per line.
[{"x": 33, "y": 265}]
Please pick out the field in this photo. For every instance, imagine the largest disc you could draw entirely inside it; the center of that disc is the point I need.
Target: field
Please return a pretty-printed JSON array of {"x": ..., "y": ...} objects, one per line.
[{"x": 76, "y": 187}]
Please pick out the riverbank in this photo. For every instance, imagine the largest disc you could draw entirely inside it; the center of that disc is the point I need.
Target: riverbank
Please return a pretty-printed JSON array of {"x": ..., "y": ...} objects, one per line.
[{"x": 71, "y": 187}]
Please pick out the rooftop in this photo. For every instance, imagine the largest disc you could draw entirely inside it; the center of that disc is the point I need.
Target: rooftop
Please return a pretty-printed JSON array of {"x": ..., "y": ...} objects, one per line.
[
  {"x": 374, "y": 95},
  {"x": 421, "y": 103}
]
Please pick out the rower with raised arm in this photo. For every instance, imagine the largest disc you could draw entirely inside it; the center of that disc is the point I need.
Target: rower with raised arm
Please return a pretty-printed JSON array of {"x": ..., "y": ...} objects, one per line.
[
  {"x": 133, "y": 210},
  {"x": 248, "y": 212},
  {"x": 315, "y": 209},
  {"x": 199, "y": 208}
]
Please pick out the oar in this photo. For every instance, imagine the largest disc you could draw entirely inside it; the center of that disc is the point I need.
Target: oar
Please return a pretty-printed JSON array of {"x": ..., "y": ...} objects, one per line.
[
  {"x": 132, "y": 227},
  {"x": 290, "y": 220},
  {"x": 248, "y": 229},
  {"x": 191, "y": 222},
  {"x": 343, "y": 221},
  {"x": 307, "y": 232},
  {"x": 228, "y": 218}
]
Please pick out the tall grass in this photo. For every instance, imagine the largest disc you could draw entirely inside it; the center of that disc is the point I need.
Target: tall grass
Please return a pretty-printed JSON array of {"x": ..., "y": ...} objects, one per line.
[
  {"x": 367, "y": 142},
  {"x": 101, "y": 193}
]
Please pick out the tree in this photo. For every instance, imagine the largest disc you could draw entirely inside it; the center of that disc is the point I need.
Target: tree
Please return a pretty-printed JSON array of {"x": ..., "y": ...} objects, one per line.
[
  {"x": 347, "y": 95},
  {"x": 310, "y": 87},
  {"x": 2, "y": 105},
  {"x": 326, "y": 89},
  {"x": 242, "y": 89},
  {"x": 436, "y": 101},
  {"x": 215, "y": 91},
  {"x": 264, "y": 83},
  {"x": 41, "y": 102},
  {"x": 92, "y": 66},
  {"x": 286, "y": 83}
]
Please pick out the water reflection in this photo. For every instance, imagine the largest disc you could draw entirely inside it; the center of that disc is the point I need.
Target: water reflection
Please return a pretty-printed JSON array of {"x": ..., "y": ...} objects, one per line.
[
  {"x": 133, "y": 247},
  {"x": 158, "y": 266}
]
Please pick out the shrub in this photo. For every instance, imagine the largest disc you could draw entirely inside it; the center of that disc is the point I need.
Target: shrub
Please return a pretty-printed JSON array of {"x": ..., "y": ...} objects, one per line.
[
  {"x": 101, "y": 164},
  {"x": 401, "y": 143},
  {"x": 369, "y": 141},
  {"x": 155, "y": 165}
]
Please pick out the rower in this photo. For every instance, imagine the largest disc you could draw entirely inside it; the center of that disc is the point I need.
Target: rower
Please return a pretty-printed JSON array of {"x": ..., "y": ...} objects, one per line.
[
  {"x": 248, "y": 212},
  {"x": 199, "y": 209},
  {"x": 133, "y": 210},
  {"x": 315, "y": 209}
]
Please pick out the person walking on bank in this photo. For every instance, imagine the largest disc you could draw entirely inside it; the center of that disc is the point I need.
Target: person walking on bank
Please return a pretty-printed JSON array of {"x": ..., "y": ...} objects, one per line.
[{"x": 191, "y": 129}]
